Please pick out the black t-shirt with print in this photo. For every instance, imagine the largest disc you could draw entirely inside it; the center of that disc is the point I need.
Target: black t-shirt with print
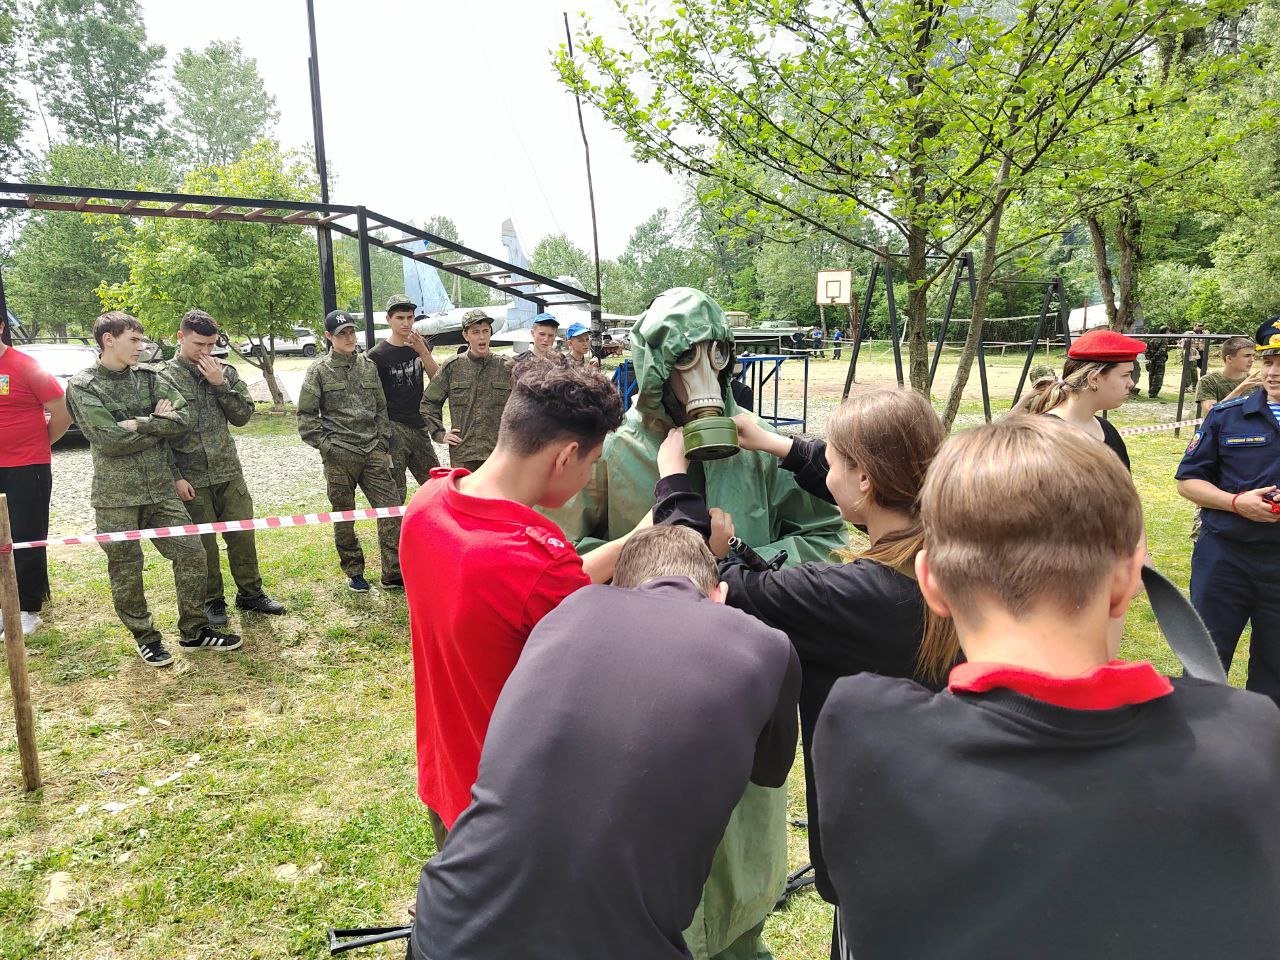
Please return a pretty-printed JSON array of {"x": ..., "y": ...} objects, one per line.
[{"x": 401, "y": 373}]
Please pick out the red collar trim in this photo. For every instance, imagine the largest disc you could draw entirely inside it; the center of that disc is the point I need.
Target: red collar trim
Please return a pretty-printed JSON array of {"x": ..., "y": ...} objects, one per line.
[
  {"x": 485, "y": 508},
  {"x": 1115, "y": 684}
]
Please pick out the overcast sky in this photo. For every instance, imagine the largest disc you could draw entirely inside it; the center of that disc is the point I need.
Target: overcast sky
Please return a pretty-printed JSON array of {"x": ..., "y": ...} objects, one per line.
[{"x": 439, "y": 107}]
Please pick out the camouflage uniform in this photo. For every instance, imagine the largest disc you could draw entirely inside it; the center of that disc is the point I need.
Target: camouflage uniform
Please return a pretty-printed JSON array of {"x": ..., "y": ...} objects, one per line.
[
  {"x": 411, "y": 450},
  {"x": 1157, "y": 357},
  {"x": 477, "y": 391},
  {"x": 133, "y": 488},
  {"x": 207, "y": 459},
  {"x": 342, "y": 412}
]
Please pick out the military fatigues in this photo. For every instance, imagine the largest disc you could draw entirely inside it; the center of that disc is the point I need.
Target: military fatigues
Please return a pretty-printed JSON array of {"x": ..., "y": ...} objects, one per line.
[
  {"x": 1235, "y": 566},
  {"x": 133, "y": 488},
  {"x": 1157, "y": 357},
  {"x": 477, "y": 391},
  {"x": 207, "y": 459},
  {"x": 342, "y": 413},
  {"x": 412, "y": 450}
]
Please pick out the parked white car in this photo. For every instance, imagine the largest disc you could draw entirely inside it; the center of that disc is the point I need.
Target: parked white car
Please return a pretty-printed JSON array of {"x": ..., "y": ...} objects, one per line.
[{"x": 303, "y": 342}]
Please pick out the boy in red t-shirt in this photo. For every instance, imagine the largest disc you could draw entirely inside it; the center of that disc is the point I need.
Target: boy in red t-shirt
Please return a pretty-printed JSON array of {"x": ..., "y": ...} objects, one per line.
[
  {"x": 482, "y": 566},
  {"x": 27, "y": 393}
]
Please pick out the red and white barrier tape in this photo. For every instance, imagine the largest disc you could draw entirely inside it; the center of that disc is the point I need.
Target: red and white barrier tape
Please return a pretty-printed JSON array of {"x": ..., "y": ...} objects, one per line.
[
  {"x": 220, "y": 526},
  {"x": 310, "y": 519},
  {"x": 1159, "y": 427}
]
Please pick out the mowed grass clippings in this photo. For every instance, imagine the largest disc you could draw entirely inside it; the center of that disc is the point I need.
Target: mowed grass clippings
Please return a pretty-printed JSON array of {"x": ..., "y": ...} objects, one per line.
[{"x": 237, "y": 805}]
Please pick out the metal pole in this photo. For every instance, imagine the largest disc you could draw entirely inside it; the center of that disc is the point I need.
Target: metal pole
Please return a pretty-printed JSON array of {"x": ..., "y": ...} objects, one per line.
[
  {"x": 857, "y": 334},
  {"x": 946, "y": 320},
  {"x": 893, "y": 318},
  {"x": 1035, "y": 340},
  {"x": 1182, "y": 383},
  {"x": 324, "y": 239},
  {"x": 597, "y": 321},
  {"x": 366, "y": 278},
  {"x": 4, "y": 313},
  {"x": 15, "y": 653}
]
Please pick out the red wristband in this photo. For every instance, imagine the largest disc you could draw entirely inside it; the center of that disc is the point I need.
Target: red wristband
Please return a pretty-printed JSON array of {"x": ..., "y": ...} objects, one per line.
[{"x": 1233, "y": 504}]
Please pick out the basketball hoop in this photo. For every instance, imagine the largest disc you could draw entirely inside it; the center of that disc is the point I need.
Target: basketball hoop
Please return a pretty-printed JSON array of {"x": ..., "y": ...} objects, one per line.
[{"x": 835, "y": 288}]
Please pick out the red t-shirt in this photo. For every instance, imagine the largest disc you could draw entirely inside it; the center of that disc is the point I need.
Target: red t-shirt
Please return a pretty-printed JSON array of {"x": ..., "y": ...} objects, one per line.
[
  {"x": 24, "y": 390},
  {"x": 478, "y": 575}
]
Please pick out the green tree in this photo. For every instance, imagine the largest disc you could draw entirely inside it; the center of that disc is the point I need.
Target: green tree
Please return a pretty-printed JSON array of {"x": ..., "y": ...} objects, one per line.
[
  {"x": 13, "y": 111},
  {"x": 97, "y": 72},
  {"x": 223, "y": 107},
  {"x": 60, "y": 259},
  {"x": 655, "y": 260},
  {"x": 258, "y": 280},
  {"x": 558, "y": 256},
  {"x": 386, "y": 270},
  {"x": 924, "y": 116}
]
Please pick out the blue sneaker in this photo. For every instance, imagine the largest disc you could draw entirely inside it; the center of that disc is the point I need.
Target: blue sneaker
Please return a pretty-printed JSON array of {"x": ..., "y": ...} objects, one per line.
[{"x": 358, "y": 584}]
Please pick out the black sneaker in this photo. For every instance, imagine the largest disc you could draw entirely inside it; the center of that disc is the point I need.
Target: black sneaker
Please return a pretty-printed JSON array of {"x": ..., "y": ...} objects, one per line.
[
  {"x": 215, "y": 611},
  {"x": 358, "y": 584},
  {"x": 155, "y": 655},
  {"x": 396, "y": 583},
  {"x": 259, "y": 604},
  {"x": 210, "y": 639}
]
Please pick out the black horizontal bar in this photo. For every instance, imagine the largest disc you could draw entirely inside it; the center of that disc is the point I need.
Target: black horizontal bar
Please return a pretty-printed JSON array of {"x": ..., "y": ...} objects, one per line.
[{"x": 104, "y": 193}]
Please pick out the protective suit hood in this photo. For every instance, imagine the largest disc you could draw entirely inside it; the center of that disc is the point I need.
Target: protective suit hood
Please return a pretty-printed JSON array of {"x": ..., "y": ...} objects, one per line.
[{"x": 676, "y": 321}]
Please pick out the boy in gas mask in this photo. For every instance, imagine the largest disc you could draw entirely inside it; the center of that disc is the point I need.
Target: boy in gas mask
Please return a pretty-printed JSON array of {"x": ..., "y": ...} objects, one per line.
[{"x": 682, "y": 349}]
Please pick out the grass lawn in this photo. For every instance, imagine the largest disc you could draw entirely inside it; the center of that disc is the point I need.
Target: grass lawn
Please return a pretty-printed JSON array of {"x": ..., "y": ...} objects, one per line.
[{"x": 237, "y": 805}]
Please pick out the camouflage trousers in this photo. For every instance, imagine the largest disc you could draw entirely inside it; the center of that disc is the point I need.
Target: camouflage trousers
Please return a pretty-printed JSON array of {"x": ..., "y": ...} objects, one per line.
[
  {"x": 344, "y": 470},
  {"x": 411, "y": 449},
  {"x": 124, "y": 567},
  {"x": 228, "y": 501}
]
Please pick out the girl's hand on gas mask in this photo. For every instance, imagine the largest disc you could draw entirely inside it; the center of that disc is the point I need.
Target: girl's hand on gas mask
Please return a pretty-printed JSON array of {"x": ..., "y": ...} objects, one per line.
[
  {"x": 671, "y": 458},
  {"x": 753, "y": 436}
]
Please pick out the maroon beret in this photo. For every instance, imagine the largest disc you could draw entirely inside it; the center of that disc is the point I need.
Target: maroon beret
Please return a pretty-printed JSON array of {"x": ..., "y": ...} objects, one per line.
[{"x": 1105, "y": 346}]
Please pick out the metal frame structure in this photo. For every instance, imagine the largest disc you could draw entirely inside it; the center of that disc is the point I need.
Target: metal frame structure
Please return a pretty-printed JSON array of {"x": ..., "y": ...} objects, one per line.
[
  {"x": 965, "y": 271},
  {"x": 758, "y": 370},
  {"x": 1052, "y": 288},
  {"x": 357, "y": 222}
]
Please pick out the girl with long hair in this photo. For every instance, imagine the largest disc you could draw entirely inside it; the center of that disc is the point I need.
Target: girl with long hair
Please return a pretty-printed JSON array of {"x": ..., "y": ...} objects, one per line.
[
  {"x": 863, "y": 612},
  {"x": 1096, "y": 377}
]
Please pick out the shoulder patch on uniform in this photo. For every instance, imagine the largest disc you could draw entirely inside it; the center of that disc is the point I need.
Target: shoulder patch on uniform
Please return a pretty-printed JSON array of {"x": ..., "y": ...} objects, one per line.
[
  {"x": 553, "y": 544},
  {"x": 156, "y": 368},
  {"x": 1230, "y": 403},
  {"x": 1195, "y": 442}
]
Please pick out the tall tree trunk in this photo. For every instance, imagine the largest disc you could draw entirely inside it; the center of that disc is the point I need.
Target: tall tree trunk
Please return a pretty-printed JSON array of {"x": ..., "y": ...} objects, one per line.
[
  {"x": 1128, "y": 226},
  {"x": 273, "y": 385},
  {"x": 978, "y": 313},
  {"x": 1102, "y": 269},
  {"x": 917, "y": 311}
]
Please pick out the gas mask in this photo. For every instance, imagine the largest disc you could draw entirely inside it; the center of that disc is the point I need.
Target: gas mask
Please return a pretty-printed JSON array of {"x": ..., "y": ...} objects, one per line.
[{"x": 697, "y": 392}]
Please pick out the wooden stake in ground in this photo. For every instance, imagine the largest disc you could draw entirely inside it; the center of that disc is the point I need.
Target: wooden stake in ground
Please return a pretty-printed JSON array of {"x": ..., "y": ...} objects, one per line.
[{"x": 15, "y": 654}]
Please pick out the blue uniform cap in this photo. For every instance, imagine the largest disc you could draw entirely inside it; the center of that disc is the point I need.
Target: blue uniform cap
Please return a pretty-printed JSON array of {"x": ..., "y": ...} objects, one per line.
[
  {"x": 576, "y": 330},
  {"x": 1267, "y": 339},
  {"x": 545, "y": 319}
]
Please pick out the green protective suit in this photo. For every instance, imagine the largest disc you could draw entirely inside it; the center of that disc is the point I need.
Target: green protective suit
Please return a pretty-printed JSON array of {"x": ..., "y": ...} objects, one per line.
[{"x": 771, "y": 513}]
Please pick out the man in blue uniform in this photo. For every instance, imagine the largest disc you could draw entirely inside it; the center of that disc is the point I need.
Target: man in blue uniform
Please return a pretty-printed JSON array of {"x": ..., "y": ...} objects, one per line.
[{"x": 1231, "y": 469}]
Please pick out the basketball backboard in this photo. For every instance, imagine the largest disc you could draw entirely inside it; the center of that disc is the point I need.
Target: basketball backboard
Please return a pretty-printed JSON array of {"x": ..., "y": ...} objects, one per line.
[{"x": 835, "y": 288}]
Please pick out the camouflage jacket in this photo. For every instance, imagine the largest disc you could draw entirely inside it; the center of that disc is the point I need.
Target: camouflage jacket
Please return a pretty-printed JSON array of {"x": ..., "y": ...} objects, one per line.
[
  {"x": 477, "y": 391},
  {"x": 130, "y": 468},
  {"x": 342, "y": 404},
  {"x": 207, "y": 454}
]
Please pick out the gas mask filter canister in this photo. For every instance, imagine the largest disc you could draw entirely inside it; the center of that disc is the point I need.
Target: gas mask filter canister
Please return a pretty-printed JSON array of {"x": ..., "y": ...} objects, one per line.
[{"x": 695, "y": 381}]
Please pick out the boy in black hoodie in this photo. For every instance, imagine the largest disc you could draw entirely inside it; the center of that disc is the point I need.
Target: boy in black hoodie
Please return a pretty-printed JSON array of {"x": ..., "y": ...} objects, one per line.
[{"x": 1052, "y": 802}]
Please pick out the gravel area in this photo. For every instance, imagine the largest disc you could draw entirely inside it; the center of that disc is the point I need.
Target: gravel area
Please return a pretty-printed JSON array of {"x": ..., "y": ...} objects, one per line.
[{"x": 282, "y": 473}]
